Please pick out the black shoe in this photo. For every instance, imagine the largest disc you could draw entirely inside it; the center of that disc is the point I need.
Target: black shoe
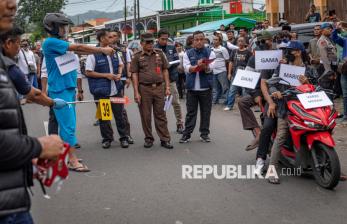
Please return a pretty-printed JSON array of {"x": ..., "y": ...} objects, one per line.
[
  {"x": 180, "y": 129},
  {"x": 148, "y": 144},
  {"x": 205, "y": 138},
  {"x": 77, "y": 146},
  {"x": 185, "y": 139},
  {"x": 106, "y": 144},
  {"x": 166, "y": 145},
  {"x": 130, "y": 140},
  {"x": 124, "y": 143}
]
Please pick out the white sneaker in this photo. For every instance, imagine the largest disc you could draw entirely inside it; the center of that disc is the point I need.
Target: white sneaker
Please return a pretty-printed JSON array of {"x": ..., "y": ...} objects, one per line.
[
  {"x": 259, "y": 166},
  {"x": 227, "y": 108}
]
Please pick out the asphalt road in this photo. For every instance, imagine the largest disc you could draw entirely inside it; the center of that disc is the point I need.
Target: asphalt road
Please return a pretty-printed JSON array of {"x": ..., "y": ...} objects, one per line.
[{"x": 138, "y": 185}]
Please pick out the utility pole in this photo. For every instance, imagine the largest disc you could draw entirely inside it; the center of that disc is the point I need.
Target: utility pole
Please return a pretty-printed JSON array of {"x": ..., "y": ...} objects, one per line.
[
  {"x": 135, "y": 20},
  {"x": 138, "y": 16},
  {"x": 125, "y": 20}
]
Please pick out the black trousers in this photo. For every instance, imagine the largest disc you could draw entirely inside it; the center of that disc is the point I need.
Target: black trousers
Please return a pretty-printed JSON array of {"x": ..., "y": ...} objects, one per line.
[
  {"x": 181, "y": 84},
  {"x": 52, "y": 123},
  {"x": 269, "y": 126},
  {"x": 194, "y": 100},
  {"x": 106, "y": 127},
  {"x": 125, "y": 114}
]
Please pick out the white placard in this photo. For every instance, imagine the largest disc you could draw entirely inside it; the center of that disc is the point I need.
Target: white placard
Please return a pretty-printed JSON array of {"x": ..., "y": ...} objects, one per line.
[
  {"x": 67, "y": 63},
  {"x": 267, "y": 59},
  {"x": 246, "y": 79},
  {"x": 314, "y": 100},
  {"x": 168, "y": 102},
  {"x": 291, "y": 73}
]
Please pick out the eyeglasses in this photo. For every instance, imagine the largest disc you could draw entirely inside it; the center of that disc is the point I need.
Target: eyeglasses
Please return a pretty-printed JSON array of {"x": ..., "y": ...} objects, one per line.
[{"x": 149, "y": 41}]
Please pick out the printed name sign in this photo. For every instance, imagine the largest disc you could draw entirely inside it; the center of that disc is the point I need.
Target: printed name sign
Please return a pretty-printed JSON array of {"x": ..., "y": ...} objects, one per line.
[
  {"x": 246, "y": 79},
  {"x": 67, "y": 63},
  {"x": 314, "y": 100},
  {"x": 291, "y": 73},
  {"x": 267, "y": 59}
]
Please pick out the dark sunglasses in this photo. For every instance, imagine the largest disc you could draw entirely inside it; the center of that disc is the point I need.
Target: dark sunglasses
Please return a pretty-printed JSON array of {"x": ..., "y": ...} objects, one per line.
[{"x": 149, "y": 41}]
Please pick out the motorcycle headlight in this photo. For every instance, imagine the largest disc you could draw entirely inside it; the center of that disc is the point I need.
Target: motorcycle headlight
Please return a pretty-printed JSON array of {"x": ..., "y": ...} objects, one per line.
[{"x": 311, "y": 124}]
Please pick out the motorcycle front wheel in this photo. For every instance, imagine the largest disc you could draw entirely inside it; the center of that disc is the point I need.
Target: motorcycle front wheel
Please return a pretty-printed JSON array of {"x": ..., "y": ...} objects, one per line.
[{"x": 327, "y": 172}]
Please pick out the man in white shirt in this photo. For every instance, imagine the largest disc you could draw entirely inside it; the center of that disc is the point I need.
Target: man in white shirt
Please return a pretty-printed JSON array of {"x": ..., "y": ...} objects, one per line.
[
  {"x": 126, "y": 56},
  {"x": 266, "y": 25},
  {"x": 220, "y": 81},
  {"x": 104, "y": 77},
  {"x": 198, "y": 64},
  {"x": 27, "y": 62}
]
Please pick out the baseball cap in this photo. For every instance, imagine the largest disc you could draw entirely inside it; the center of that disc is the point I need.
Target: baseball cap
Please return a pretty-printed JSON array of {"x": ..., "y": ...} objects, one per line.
[
  {"x": 326, "y": 25},
  {"x": 147, "y": 37},
  {"x": 264, "y": 35}
]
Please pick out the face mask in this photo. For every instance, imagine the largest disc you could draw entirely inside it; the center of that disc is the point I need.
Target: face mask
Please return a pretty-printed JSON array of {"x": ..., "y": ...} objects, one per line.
[
  {"x": 290, "y": 57},
  {"x": 66, "y": 32},
  {"x": 262, "y": 45}
]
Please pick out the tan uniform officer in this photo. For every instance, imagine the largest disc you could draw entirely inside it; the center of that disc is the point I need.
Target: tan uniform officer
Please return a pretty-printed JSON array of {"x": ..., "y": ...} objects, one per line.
[
  {"x": 149, "y": 69},
  {"x": 327, "y": 50}
]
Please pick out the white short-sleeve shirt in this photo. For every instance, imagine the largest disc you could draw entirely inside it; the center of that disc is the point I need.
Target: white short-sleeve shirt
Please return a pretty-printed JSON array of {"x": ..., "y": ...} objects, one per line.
[{"x": 90, "y": 66}]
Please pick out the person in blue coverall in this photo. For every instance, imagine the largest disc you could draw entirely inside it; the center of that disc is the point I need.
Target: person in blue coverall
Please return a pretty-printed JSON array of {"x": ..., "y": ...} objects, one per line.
[{"x": 63, "y": 86}]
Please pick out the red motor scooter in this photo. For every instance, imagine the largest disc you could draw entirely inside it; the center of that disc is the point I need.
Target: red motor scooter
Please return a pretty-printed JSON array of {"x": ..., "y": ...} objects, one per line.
[{"x": 311, "y": 145}]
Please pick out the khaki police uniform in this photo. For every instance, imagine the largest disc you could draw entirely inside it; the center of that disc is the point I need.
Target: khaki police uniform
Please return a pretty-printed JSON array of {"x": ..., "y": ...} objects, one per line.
[
  {"x": 328, "y": 54},
  {"x": 150, "y": 67}
]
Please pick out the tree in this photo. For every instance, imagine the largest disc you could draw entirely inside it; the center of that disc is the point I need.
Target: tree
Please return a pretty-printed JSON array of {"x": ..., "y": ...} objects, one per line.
[{"x": 32, "y": 12}]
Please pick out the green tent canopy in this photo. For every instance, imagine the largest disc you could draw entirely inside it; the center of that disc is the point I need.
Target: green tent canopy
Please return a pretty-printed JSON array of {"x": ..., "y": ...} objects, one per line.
[{"x": 212, "y": 26}]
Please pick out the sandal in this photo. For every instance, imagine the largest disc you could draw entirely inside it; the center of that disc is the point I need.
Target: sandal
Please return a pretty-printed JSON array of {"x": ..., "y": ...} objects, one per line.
[
  {"x": 343, "y": 177},
  {"x": 274, "y": 180},
  {"x": 79, "y": 169}
]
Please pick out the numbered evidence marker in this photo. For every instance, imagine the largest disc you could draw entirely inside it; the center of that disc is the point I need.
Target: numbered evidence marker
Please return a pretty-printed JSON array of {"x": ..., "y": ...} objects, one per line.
[
  {"x": 246, "y": 79},
  {"x": 291, "y": 73},
  {"x": 104, "y": 111},
  {"x": 314, "y": 100},
  {"x": 267, "y": 59}
]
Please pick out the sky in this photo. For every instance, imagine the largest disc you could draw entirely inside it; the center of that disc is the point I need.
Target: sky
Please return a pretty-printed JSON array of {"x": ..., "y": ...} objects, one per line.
[{"x": 146, "y": 6}]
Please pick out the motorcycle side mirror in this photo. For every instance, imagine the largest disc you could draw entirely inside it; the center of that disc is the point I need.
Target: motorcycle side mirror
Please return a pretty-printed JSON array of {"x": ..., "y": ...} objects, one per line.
[{"x": 274, "y": 80}]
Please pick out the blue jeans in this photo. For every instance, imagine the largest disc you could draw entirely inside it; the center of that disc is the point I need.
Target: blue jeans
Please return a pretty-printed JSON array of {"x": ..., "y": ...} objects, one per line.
[
  {"x": 17, "y": 218},
  {"x": 344, "y": 92},
  {"x": 233, "y": 90},
  {"x": 220, "y": 86},
  {"x": 32, "y": 77}
]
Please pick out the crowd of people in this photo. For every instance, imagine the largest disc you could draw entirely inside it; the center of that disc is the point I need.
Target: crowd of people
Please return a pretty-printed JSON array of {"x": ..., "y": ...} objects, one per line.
[{"x": 199, "y": 71}]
